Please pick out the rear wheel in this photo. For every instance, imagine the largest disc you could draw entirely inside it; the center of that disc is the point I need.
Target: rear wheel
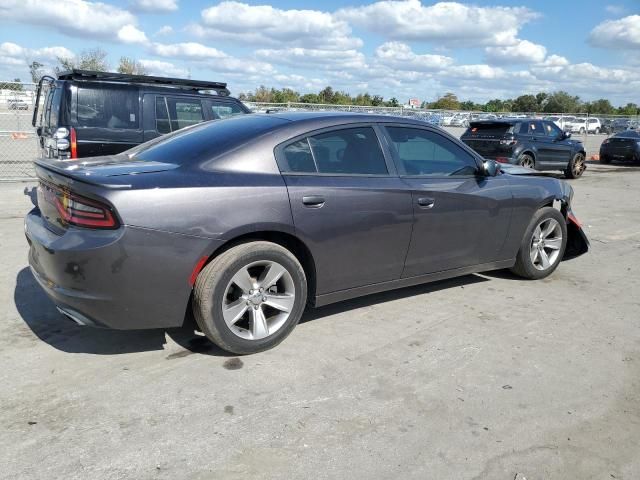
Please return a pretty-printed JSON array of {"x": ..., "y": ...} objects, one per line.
[
  {"x": 597, "y": 132},
  {"x": 605, "y": 159},
  {"x": 250, "y": 298},
  {"x": 582, "y": 130},
  {"x": 543, "y": 245},
  {"x": 527, "y": 161},
  {"x": 576, "y": 166}
]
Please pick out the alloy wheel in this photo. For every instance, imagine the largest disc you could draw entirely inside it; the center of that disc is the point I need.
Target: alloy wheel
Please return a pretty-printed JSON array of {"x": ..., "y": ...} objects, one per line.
[
  {"x": 546, "y": 244},
  {"x": 258, "y": 300},
  {"x": 527, "y": 162},
  {"x": 578, "y": 165}
]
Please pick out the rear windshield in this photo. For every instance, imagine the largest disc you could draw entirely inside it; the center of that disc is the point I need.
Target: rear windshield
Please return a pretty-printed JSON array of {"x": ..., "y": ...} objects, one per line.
[
  {"x": 108, "y": 107},
  {"x": 204, "y": 141},
  {"x": 492, "y": 129},
  {"x": 628, "y": 134}
]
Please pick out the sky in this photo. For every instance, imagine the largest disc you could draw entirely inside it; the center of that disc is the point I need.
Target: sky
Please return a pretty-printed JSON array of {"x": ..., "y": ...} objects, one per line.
[{"x": 394, "y": 48}]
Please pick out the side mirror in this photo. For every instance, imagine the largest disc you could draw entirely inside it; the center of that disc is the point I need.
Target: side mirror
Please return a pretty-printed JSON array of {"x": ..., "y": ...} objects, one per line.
[
  {"x": 565, "y": 135},
  {"x": 490, "y": 168}
]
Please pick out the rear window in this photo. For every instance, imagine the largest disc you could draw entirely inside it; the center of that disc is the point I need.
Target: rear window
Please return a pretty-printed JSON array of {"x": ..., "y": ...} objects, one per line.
[
  {"x": 204, "y": 141},
  {"x": 108, "y": 107},
  {"x": 225, "y": 110},
  {"x": 628, "y": 134},
  {"x": 497, "y": 129}
]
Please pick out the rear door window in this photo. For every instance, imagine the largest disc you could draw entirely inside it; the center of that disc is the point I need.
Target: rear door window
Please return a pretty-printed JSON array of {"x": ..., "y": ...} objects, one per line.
[
  {"x": 225, "y": 110},
  {"x": 162, "y": 116},
  {"x": 108, "y": 107},
  {"x": 184, "y": 112}
]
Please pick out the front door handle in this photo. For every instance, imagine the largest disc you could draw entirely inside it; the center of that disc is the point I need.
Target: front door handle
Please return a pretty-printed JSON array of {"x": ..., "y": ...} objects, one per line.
[
  {"x": 426, "y": 202},
  {"x": 313, "y": 201}
]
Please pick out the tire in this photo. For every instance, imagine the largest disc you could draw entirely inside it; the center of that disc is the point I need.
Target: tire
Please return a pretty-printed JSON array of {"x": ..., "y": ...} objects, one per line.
[
  {"x": 606, "y": 159},
  {"x": 576, "y": 166},
  {"x": 527, "y": 161},
  {"x": 530, "y": 265},
  {"x": 597, "y": 132},
  {"x": 582, "y": 131},
  {"x": 255, "y": 325}
]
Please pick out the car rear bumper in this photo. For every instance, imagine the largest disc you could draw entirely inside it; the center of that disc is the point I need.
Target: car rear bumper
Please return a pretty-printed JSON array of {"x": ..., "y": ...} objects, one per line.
[{"x": 128, "y": 278}]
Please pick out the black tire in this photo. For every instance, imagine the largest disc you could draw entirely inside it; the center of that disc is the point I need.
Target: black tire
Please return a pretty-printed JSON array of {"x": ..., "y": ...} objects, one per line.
[
  {"x": 526, "y": 160},
  {"x": 576, "y": 166},
  {"x": 524, "y": 266},
  {"x": 606, "y": 159},
  {"x": 210, "y": 291}
]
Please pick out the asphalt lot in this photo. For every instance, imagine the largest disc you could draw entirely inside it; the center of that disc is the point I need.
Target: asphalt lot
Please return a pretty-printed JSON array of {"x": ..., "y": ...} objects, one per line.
[{"x": 486, "y": 376}]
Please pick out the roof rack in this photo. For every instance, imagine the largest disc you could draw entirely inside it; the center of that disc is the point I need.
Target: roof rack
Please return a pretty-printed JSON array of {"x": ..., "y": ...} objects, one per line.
[{"x": 89, "y": 75}]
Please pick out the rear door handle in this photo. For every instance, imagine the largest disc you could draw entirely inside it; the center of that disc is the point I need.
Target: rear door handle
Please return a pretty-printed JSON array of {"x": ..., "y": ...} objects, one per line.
[
  {"x": 313, "y": 201},
  {"x": 426, "y": 202}
]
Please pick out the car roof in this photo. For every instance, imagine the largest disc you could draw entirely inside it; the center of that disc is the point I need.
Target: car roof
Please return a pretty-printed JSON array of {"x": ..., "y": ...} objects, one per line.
[{"x": 341, "y": 117}]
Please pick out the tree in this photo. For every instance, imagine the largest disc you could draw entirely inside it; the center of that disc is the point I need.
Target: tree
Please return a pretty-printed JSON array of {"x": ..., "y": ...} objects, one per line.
[
  {"x": 525, "y": 103},
  {"x": 601, "y": 106},
  {"x": 310, "y": 98},
  {"x": 93, "y": 59},
  {"x": 326, "y": 95},
  {"x": 562, "y": 102},
  {"x": 15, "y": 86},
  {"x": 495, "y": 105},
  {"x": 377, "y": 100},
  {"x": 448, "y": 102},
  {"x": 629, "y": 109},
  {"x": 36, "y": 72},
  {"x": 393, "y": 102},
  {"x": 541, "y": 98},
  {"x": 131, "y": 67}
]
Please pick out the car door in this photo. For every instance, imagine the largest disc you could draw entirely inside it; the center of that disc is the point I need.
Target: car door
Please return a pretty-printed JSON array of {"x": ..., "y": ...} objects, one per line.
[
  {"x": 461, "y": 218},
  {"x": 559, "y": 150},
  {"x": 348, "y": 205},
  {"x": 165, "y": 113}
]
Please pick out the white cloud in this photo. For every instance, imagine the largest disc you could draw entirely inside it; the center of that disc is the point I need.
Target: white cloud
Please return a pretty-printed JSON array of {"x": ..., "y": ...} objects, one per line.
[
  {"x": 163, "y": 69},
  {"x": 522, "y": 52},
  {"x": 400, "y": 56},
  {"x": 623, "y": 33},
  {"x": 296, "y": 57},
  {"x": 448, "y": 23},
  {"x": 476, "y": 72},
  {"x": 186, "y": 50},
  {"x": 131, "y": 34},
  {"x": 154, "y": 6},
  {"x": 164, "y": 30},
  {"x": 266, "y": 25},
  {"x": 615, "y": 9},
  {"x": 73, "y": 17},
  {"x": 14, "y": 54}
]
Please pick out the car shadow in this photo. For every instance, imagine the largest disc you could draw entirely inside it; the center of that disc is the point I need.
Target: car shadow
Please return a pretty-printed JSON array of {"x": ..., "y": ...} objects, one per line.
[
  {"x": 389, "y": 296},
  {"x": 53, "y": 328}
]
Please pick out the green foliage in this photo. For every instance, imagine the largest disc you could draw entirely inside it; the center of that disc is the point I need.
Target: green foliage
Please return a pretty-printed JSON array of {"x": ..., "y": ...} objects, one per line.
[
  {"x": 131, "y": 66},
  {"x": 526, "y": 103},
  {"x": 629, "y": 109},
  {"x": 36, "y": 71},
  {"x": 562, "y": 102},
  {"x": 447, "y": 102},
  {"x": 93, "y": 59}
]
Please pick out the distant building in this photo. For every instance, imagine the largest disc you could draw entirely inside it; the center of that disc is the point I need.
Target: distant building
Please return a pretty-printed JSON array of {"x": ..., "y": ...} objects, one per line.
[{"x": 414, "y": 103}]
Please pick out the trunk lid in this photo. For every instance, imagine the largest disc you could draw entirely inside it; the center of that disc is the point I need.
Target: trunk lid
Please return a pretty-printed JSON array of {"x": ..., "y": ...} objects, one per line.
[{"x": 490, "y": 139}]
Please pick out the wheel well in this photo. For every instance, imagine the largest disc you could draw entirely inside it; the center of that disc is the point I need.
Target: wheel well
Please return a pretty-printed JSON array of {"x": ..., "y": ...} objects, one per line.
[
  {"x": 528, "y": 152},
  {"x": 286, "y": 240}
]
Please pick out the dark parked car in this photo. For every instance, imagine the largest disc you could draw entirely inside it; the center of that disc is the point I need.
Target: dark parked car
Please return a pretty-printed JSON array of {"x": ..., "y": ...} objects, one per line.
[
  {"x": 530, "y": 143},
  {"x": 87, "y": 113},
  {"x": 247, "y": 220},
  {"x": 622, "y": 146}
]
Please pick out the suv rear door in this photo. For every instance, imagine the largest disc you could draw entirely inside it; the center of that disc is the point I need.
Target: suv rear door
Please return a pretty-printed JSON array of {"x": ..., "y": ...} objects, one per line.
[
  {"x": 168, "y": 113},
  {"x": 488, "y": 138}
]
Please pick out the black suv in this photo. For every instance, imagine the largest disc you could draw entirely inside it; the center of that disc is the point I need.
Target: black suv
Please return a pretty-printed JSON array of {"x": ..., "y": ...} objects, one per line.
[
  {"x": 84, "y": 113},
  {"x": 531, "y": 143}
]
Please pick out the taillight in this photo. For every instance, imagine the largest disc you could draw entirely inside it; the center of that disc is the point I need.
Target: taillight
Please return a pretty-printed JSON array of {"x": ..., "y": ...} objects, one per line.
[
  {"x": 508, "y": 141},
  {"x": 502, "y": 160},
  {"x": 74, "y": 144},
  {"x": 82, "y": 212}
]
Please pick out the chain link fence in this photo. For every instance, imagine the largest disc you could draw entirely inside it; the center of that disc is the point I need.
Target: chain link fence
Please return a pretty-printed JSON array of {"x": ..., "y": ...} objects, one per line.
[
  {"x": 19, "y": 144},
  {"x": 18, "y": 141}
]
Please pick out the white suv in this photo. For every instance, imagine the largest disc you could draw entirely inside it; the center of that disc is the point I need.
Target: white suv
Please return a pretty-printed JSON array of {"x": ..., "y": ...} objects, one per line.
[{"x": 586, "y": 125}]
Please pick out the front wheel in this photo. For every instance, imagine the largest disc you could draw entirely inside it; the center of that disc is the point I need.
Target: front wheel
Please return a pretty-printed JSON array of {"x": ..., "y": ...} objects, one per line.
[
  {"x": 250, "y": 298},
  {"x": 582, "y": 131},
  {"x": 597, "y": 132},
  {"x": 576, "y": 166},
  {"x": 543, "y": 245}
]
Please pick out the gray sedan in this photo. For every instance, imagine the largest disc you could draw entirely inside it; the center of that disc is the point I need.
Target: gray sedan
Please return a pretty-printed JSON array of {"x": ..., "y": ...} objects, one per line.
[{"x": 248, "y": 220}]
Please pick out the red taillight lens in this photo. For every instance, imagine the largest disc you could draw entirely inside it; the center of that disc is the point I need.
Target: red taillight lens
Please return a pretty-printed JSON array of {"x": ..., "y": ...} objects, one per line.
[
  {"x": 502, "y": 160},
  {"x": 74, "y": 144},
  {"x": 82, "y": 212}
]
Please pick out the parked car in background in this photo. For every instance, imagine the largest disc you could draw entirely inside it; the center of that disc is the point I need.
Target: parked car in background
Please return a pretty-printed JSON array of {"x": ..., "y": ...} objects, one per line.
[
  {"x": 460, "y": 120},
  {"x": 594, "y": 125},
  {"x": 17, "y": 104},
  {"x": 623, "y": 124},
  {"x": 607, "y": 126},
  {"x": 531, "y": 143},
  {"x": 248, "y": 220},
  {"x": 86, "y": 113},
  {"x": 621, "y": 146},
  {"x": 562, "y": 122}
]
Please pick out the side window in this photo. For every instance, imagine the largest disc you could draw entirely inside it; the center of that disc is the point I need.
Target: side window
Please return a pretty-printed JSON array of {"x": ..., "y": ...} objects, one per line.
[
  {"x": 299, "y": 158},
  {"x": 108, "y": 107},
  {"x": 184, "y": 112},
  {"x": 48, "y": 106},
  {"x": 538, "y": 129},
  {"x": 348, "y": 151},
  {"x": 162, "y": 116},
  {"x": 224, "y": 110},
  {"x": 422, "y": 152},
  {"x": 552, "y": 129}
]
